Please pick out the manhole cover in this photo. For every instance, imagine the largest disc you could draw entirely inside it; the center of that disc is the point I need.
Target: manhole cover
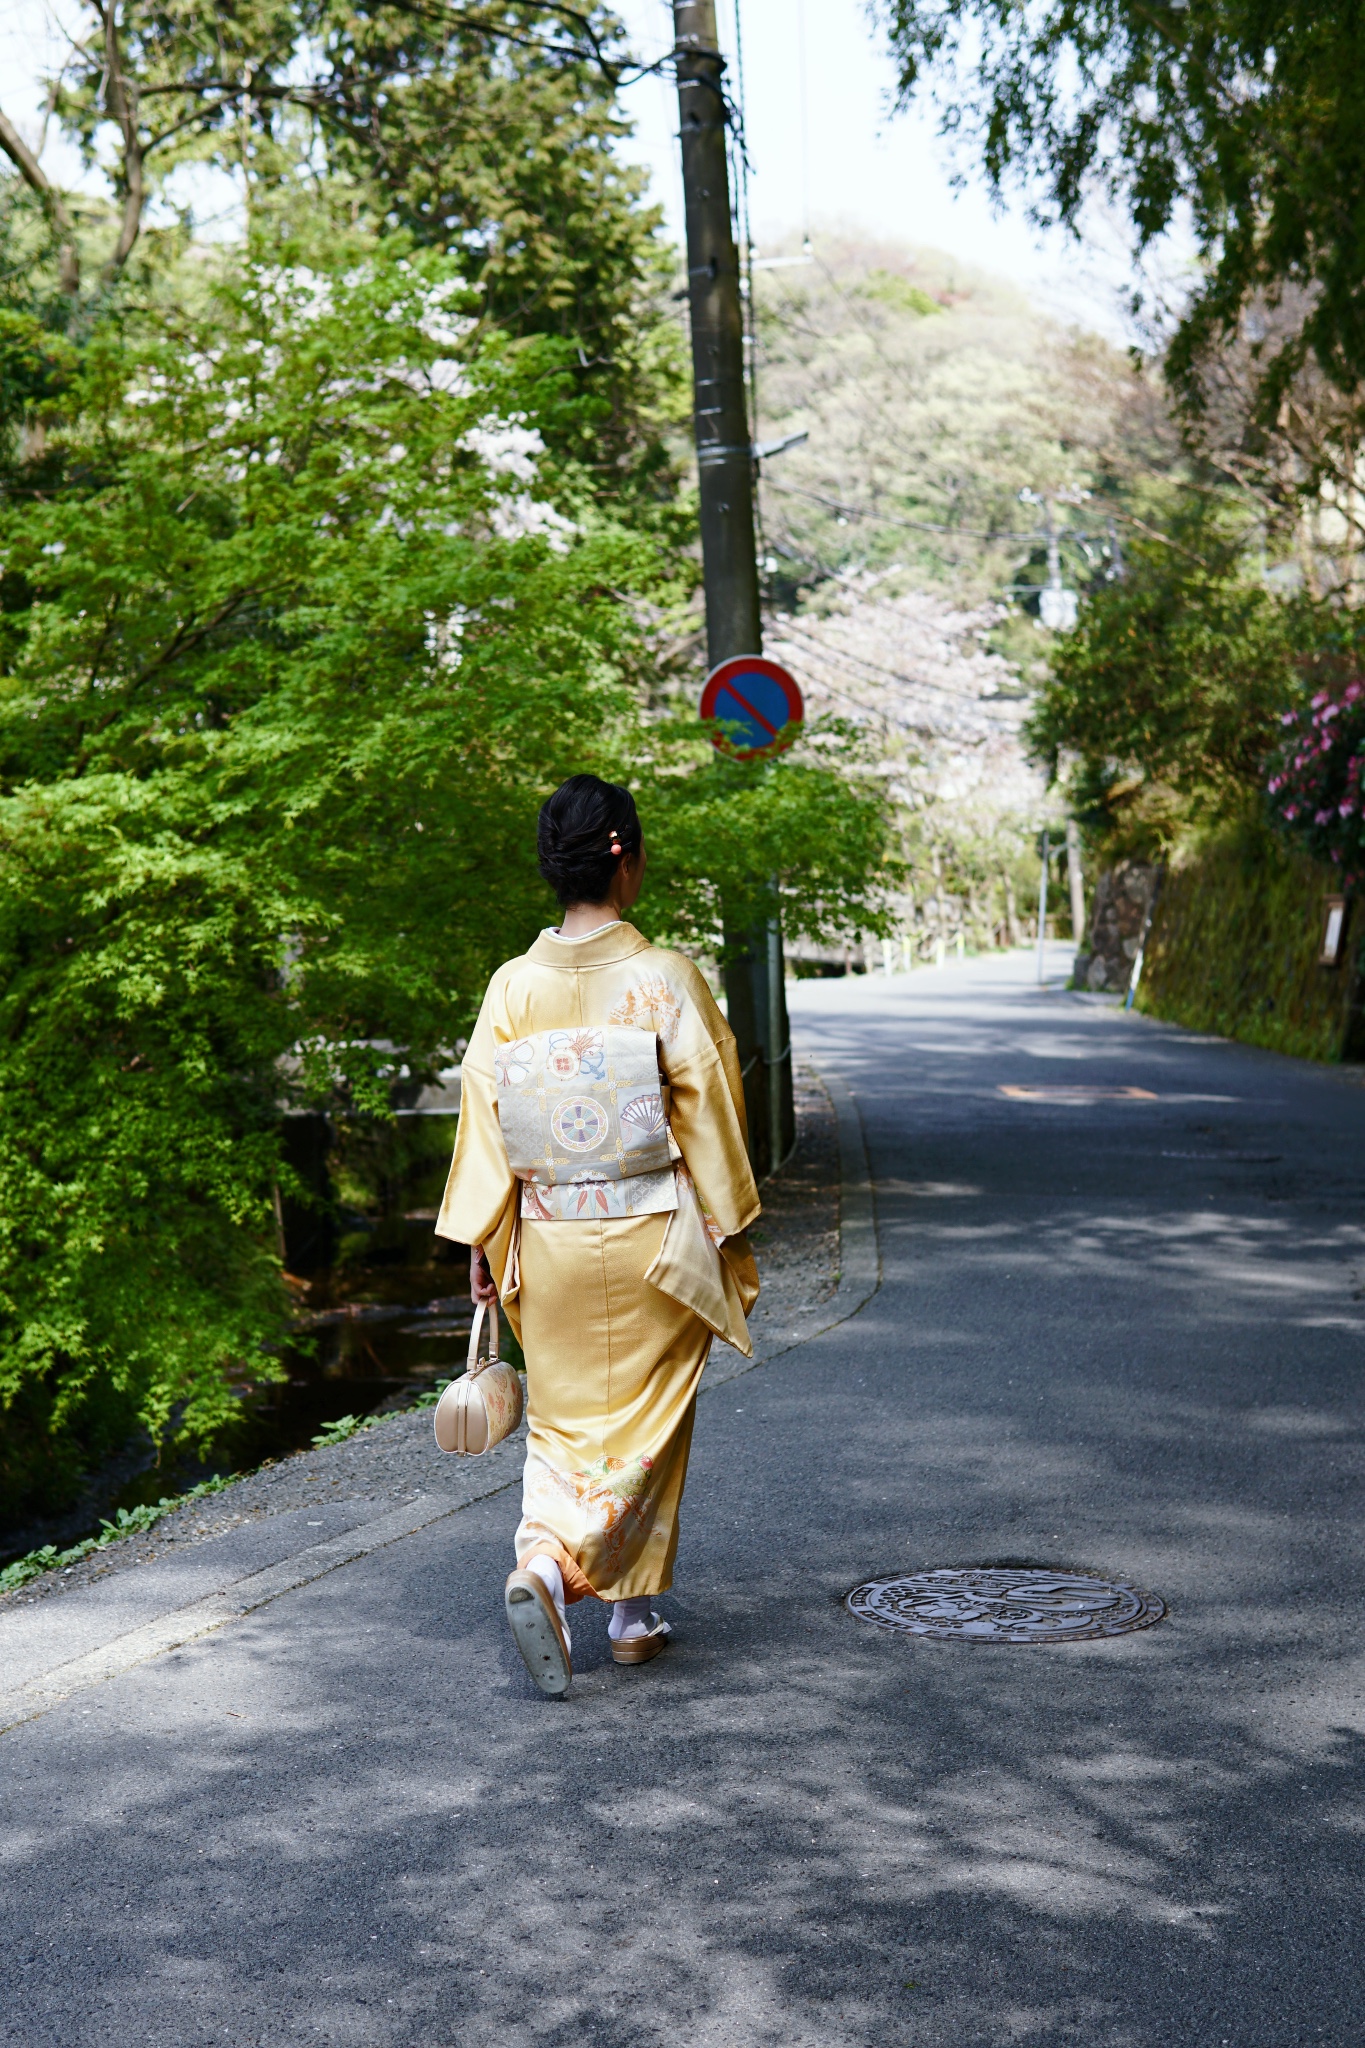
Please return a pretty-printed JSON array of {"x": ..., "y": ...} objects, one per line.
[{"x": 1025, "y": 1605}]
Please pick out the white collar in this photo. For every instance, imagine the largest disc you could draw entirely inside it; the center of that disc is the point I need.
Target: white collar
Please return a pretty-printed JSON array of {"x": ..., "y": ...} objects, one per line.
[{"x": 610, "y": 925}]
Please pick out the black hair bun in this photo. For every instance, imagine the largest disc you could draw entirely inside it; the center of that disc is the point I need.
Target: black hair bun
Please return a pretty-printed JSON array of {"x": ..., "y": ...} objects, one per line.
[{"x": 575, "y": 834}]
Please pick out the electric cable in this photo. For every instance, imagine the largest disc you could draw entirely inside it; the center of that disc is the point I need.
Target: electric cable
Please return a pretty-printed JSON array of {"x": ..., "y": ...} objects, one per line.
[
  {"x": 851, "y": 660},
  {"x": 740, "y": 157}
]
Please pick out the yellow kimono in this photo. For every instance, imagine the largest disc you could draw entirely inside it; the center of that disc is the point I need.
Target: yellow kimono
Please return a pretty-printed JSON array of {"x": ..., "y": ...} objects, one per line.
[{"x": 615, "y": 1313}]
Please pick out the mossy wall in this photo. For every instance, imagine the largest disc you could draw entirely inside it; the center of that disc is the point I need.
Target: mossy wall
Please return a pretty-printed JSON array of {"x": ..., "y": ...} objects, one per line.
[{"x": 1234, "y": 949}]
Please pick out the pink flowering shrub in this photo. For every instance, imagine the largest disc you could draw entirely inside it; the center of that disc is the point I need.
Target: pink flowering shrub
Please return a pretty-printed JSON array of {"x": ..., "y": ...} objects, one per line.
[{"x": 1314, "y": 784}]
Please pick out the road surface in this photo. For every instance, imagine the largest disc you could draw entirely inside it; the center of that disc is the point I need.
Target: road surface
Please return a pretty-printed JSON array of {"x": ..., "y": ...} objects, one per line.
[{"x": 1122, "y": 1333}]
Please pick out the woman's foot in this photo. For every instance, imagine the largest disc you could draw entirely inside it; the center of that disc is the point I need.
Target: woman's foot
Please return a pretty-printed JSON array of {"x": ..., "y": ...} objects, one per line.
[
  {"x": 636, "y": 1632},
  {"x": 534, "y": 1602}
]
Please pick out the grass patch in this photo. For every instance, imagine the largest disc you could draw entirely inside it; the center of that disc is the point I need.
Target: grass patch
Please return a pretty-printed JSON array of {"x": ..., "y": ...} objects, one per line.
[{"x": 127, "y": 1522}]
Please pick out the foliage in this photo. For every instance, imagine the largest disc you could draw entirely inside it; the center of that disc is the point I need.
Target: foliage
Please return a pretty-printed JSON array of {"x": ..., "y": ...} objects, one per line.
[
  {"x": 1234, "y": 948},
  {"x": 344, "y": 1427},
  {"x": 1169, "y": 691},
  {"x": 807, "y": 836},
  {"x": 295, "y": 644},
  {"x": 485, "y": 131},
  {"x": 1241, "y": 117},
  {"x": 1314, "y": 788},
  {"x": 127, "y": 1522},
  {"x": 1297, "y": 471},
  {"x": 935, "y": 435},
  {"x": 429, "y": 1396},
  {"x": 283, "y": 660}
]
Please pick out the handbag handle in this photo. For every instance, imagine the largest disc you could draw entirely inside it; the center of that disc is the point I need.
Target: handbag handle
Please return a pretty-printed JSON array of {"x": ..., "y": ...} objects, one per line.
[{"x": 475, "y": 1364}]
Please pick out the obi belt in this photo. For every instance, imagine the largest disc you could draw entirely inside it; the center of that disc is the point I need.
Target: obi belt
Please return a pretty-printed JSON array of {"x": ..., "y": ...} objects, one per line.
[{"x": 585, "y": 1124}]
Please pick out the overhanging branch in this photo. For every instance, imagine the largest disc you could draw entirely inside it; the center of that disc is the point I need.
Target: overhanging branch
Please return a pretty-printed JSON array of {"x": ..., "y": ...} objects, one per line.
[{"x": 54, "y": 206}]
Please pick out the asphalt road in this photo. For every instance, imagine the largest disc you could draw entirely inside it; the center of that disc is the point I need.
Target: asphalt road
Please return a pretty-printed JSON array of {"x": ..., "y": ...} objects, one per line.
[{"x": 1124, "y": 1334}]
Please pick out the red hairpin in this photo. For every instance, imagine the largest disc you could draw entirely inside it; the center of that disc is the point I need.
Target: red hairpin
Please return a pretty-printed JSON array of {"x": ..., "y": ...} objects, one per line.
[{"x": 615, "y": 844}]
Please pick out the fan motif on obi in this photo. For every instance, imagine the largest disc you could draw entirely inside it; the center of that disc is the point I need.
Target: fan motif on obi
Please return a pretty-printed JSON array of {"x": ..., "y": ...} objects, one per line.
[{"x": 583, "y": 1119}]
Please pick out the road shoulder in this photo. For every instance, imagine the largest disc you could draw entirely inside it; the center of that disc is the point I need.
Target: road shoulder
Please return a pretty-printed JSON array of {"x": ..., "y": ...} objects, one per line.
[{"x": 94, "y": 1629}]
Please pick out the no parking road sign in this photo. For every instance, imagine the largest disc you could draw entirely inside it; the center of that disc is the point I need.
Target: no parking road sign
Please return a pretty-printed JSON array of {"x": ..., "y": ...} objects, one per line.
[{"x": 757, "y": 702}]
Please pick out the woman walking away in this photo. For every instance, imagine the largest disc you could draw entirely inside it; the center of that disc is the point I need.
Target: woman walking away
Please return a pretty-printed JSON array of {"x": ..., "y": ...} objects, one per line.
[{"x": 601, "y": 1175}]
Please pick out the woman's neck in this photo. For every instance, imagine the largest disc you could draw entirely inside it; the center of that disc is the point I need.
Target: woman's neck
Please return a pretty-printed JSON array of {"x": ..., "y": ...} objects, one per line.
[{"x": 582, "y": 918}]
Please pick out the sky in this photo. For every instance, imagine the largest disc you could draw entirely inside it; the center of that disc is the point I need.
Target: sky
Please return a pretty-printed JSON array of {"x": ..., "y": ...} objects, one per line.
[{"x": 826, "y": 150}]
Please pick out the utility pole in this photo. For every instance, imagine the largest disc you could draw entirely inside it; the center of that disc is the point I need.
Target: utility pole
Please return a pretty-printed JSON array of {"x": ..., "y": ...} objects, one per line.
[
  {"x": 1056, "y": 604},
  {"x": 755, "y": 981},
  {"x": 1076, "y": 881}
]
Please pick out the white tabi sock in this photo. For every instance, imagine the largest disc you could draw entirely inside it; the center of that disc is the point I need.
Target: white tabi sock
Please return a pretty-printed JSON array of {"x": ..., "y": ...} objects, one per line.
[
  {"x": 551, "y": 1577},
  {"x": 631, "y": 1618}
]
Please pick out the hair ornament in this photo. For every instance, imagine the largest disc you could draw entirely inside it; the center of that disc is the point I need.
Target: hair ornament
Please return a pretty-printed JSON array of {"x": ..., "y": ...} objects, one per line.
[{"x": 615, "y": 843}]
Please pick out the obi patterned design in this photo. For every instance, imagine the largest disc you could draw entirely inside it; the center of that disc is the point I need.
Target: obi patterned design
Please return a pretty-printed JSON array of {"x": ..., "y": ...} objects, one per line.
[{"x": 582, "y": 1116}]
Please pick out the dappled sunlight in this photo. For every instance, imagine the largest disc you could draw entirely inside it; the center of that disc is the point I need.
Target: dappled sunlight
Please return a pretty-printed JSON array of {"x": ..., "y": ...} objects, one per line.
[
  {"x": 516, "y": 1883},
  {"x": 350, "y": 1818},
  {"x": 1218, "y": 1253},
  {"x": 929, "y": 1190}
]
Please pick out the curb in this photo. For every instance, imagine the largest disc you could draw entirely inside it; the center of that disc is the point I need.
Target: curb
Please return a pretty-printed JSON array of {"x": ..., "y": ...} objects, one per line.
[
  {"x": 859, "y": 1257},
  {"x": 859, "y": 1278},
  {"x": 186, "y": 1624}
]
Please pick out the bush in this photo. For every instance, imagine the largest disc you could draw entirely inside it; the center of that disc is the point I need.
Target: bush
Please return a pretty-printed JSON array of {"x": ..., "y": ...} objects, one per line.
[
  {"x": 299, "y": 630},
  {"x": 1314, "y": 788}
]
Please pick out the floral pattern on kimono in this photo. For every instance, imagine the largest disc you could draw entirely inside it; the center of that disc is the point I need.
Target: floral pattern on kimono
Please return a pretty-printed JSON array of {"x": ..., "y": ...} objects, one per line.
[
  {"x": 650, "y": 1006},
  {"x": 614, "y": 1497}
]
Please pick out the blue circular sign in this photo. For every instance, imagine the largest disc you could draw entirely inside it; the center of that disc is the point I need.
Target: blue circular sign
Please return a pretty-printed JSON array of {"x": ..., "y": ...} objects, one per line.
[{"x": 756, "y": 702}]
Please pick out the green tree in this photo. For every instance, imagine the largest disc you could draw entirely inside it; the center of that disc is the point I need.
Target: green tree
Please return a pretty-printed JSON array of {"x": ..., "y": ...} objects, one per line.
[
  {"x": 288, "y": 660},
  {"x": 1169, "y": 692},
  {"x": 941, "y": 409},
  {"x": 305, "y": 629},
  {"x": 1243, "y": 117},
  {"x": 486, "y": 131}
]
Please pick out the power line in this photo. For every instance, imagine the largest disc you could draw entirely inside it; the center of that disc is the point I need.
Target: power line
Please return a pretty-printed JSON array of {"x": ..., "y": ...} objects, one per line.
[
  {"x": 786, "y": 627},
  {"x": 885, "y": 519},
  {"x": 746, "y": 245},
  {"x": 923, "y": 525}
]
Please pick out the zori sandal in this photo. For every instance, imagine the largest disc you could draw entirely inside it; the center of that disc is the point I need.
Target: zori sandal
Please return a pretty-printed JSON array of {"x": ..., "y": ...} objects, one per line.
[
  {"x": 639, "y": 1649},
  {"x": 537, "y": 1633}
]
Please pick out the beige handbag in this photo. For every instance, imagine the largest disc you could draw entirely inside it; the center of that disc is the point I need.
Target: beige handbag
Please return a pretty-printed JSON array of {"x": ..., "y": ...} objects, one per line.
[{"x": 478, "y": 1411}]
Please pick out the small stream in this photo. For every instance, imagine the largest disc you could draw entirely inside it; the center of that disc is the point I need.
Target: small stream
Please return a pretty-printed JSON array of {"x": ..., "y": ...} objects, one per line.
[{"x": 383, "y": 1314}]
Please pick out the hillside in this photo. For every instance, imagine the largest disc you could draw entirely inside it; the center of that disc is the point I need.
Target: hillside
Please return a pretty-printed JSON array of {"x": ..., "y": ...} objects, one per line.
[{"x": 905, "y": 541}]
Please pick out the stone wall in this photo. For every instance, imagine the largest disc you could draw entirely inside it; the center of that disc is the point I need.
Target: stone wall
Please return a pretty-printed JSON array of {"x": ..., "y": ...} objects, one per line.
[
  {"x": 1123, "y": 895},
  {"x": 1234, "y": 949}
]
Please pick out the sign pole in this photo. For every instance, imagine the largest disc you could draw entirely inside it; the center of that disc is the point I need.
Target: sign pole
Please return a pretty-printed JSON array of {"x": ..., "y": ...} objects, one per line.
[
  {"x": 1042, "y": 907},
  {"x": 754, "y": 977}
]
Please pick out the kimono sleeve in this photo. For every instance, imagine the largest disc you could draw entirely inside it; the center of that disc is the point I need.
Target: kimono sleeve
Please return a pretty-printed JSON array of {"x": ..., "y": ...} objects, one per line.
[
  {"x": 481, "y": 1188},
  {"x": 706, "y": 1107}
]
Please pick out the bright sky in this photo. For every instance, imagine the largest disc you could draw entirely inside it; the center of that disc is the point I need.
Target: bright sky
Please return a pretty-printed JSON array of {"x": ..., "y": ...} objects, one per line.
[
  {"x": 824, "y": 146},
  {"x": 826, "y": 149}
]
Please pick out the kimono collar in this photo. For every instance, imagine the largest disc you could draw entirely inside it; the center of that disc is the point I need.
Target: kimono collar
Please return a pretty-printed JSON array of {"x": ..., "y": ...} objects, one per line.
[{"x": 599, "y": 949}]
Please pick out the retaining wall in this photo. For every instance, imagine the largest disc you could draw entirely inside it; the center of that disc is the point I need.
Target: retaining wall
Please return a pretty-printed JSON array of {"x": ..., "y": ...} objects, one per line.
[{"x": 1234, "y": 947}]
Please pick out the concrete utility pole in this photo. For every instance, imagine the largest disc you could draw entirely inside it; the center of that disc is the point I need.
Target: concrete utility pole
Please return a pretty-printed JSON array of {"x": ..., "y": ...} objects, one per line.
[
  {"x": 755, "y": 982},
  {"x": 1076, "y": 881},
  {"x": 1057, "y": 605},
  {"x": 725, "y": 462}
]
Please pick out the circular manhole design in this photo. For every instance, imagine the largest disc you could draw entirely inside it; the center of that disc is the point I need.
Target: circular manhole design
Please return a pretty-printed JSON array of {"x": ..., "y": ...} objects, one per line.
[{"x": 1026, "y": 1604}]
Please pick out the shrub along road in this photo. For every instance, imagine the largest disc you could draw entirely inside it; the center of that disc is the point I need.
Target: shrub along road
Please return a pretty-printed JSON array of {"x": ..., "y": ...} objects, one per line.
[{"x": 1116, "y": 1333}]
